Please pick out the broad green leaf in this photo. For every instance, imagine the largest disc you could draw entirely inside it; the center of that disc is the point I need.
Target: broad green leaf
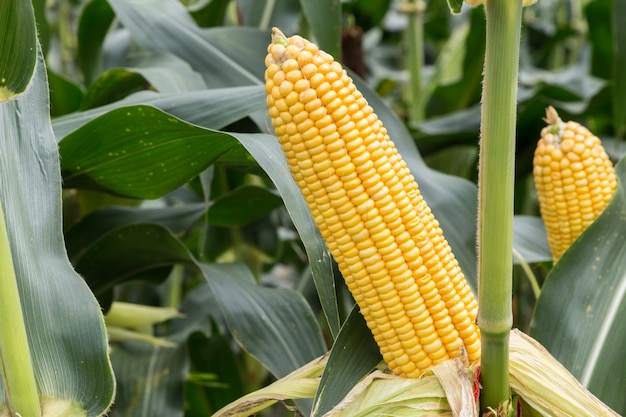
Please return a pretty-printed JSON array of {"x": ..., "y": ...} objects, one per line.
[
  {"x": 579, "y": 315},
  {"x": 530, "y": 239},
  {"x": 164, "y": 25},
  {"x": 18, "y": 47},
  {"x": 213, "y": 109},
  {"x": 268, "y": 154},
  {"x": 65, "y": 326},
  {"x": 166, "y": 72},
  {"x": 94, "y": 23},
  {"x": 619, "y": 68},
  {"x": 243, "y": 205},
  {"x": 128, "y": 253},
  {"x": 455, "y": 6},
  {"x": 150, "y": 379},
  {"x": 324, "y": 18},
  {"x": 96, "y": 224},
  {"x": 154, "y": 154},
  {"x": 353, "y": 355},
  {"x": 266, "y": 321},
  {"x": 209, "y": 14},
  {"x": 111, "y": 86},
  {"x": 265, "y": 14},
  {"x": 65, "y": 96},
  {"x": 276, "y": 326}
]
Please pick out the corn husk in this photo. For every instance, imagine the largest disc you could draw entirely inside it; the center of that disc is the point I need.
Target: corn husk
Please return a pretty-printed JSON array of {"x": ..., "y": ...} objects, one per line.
[
  {"x": 301, "y": 383},
  {"x": 137, "y": 316},
  {"x": 544, "y": 384},
  {"x": 445, "y": 391}
]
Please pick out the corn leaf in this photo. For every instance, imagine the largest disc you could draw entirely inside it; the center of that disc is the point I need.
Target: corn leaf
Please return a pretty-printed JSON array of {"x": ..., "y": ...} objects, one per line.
[
  {"x": 274, "y": 325},
  {"x": 222, "y": 56},
  {"x": 150, "y": 379},
  {"x": 530, "y": 240},
  {"x": 579, "y": 315},
  {"x": 168, "y": 152},
  {"x": 93, "y": 25},
  {"x": 18, "y": 47},
  {"x": 353, "y": 356},
  {"x": 265, "y": 14},
  {"x": 212, "y": 109},
  {"x": 619, "y": 67},
  {"x": 66, "y": 329},
  {"x": 324, "y": 18},
  {"x": 269, "y": 156}
]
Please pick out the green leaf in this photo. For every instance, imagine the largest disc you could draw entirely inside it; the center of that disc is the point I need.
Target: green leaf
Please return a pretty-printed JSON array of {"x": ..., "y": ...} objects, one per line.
[
  {"x": 455, "y": 6},
  {"x": 276, "y": 326},
  {"x": 619, "y": 68},
  {"x": 111, "y": 86},
  {"x": 131, "y": 252},
  {"x": 154, "y": 154},
  {"x": 166, "y": 72},
  {"x": 266, "y": 321},
  {"x": 96, "y": 224},
  {"x": 94, "y": 23},
  {"x": 213, "y": 109},
  {"x": 530, "y": 239},
  {"x": 353, "y": 355},
  {"x": 65, "y": 96},
  {"x": 242, "y": 206},
  {"x": 324, "y": 18},
  {"x": 265, "y": 14},
  {"x": 164, "y": 25},
  {"x": 579, "y": 315},
  {"x": 65, "y": 326},
  {"x": 267, "y": 153},
  {"x": 150, "y": 379},
  {"x": 18, "y": 47}
]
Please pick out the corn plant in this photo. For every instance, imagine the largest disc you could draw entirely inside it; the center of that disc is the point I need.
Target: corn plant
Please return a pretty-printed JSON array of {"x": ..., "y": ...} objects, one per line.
[{"x": 159, "y": 259}]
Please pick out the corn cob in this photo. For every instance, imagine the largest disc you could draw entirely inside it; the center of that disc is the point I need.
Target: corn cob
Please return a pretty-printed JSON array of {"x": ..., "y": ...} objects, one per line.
[
  {"x": 574, "y": 178},
  {"x": 368, "y": 207}
]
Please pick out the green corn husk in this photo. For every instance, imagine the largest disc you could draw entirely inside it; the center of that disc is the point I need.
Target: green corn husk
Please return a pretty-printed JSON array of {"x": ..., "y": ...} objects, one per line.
[
  {"x": 135, "y": 316},
  {"x": 544, "y": 384},
  {"x": 127, "y": 321},
  {"x": 301, "y": 383},
  {"x": 446, "y": 390}
]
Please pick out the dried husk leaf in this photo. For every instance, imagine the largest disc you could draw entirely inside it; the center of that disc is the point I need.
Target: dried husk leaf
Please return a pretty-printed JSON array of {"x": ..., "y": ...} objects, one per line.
[
  {"x": 301, "y": 383},
  {"x": 545, "y": 384}
]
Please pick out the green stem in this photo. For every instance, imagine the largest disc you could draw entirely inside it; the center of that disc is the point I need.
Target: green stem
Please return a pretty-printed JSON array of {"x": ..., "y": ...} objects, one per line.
[
  {"x": 495, "y": 206},
  {"x": 15, "y": 360},
  {"x": 415, "y": 56}
]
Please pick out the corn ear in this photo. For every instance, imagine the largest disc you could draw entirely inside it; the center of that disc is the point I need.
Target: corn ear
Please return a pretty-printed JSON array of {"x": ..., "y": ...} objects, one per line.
[
  {"x": 368, "y": 207},
  {"x": 574, "y": 178}
]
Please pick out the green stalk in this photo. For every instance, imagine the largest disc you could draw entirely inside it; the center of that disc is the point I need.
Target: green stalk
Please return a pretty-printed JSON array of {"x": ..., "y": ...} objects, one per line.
[
  {"x": 415, "y": 56},
  {"x": 495, "y": 206},
  {"x": 15, "y": 360}
]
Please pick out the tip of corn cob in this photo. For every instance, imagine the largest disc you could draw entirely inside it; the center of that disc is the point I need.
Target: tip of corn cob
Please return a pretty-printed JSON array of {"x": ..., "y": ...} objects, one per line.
[
  {"x": 574, "y": 178},
  {"x": 368, "y": 207}
]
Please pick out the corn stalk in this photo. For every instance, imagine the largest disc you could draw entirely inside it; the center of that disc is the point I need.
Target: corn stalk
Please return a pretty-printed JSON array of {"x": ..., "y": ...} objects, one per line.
[{"x": 495, "y": 206}]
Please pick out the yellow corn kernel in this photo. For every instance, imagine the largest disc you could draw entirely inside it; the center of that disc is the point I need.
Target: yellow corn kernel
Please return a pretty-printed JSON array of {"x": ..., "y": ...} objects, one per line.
[
  {"x": 574, "y": 178},
  {"x": 387, "y": 244}
]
